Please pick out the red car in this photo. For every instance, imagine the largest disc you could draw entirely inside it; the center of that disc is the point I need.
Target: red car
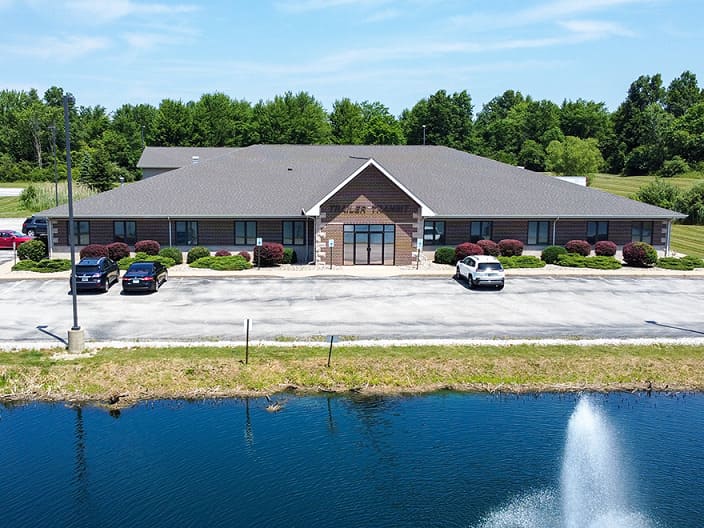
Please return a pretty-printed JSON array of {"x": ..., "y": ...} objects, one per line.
[{"x": 8, "y": 237}]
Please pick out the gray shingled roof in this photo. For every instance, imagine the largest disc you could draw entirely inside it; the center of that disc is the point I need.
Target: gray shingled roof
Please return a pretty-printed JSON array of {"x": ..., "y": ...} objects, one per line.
[
  {"x": 176, "y": 157},
  {"x": 280, "y": 180}
]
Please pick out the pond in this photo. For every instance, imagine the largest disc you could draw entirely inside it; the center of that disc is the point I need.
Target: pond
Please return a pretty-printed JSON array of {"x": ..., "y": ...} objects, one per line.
[{"x": 446, "y": 459}]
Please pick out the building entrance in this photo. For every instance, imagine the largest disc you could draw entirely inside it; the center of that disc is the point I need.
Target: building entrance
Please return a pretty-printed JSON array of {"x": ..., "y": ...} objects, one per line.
[{"x": 369, "y": 244}]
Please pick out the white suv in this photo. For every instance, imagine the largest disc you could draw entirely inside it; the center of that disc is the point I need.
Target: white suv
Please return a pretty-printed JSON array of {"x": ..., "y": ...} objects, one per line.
[{"x": 480, "y": 270}]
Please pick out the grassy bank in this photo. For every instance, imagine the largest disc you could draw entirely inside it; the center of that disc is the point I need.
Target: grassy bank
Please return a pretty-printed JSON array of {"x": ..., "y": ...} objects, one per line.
[{"x": 147, "y": 373}]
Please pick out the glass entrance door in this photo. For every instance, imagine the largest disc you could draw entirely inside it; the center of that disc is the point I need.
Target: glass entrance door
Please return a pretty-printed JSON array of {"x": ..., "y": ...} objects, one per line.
[{"x": 369, "y": 244}]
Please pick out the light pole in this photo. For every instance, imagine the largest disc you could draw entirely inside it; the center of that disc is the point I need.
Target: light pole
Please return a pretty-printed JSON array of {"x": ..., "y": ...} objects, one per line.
[
  {"x": 75, "y": 335},
  {"x": 52, "y": 127},
  {"x": 423, "y": 134}
]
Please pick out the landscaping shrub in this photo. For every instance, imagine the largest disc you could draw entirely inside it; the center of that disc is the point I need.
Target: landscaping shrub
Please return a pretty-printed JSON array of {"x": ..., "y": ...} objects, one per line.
[
  {"x": 245, "y": 255},
  {"x": 687, "y": 263},
  {"x": 575, "y": 260},
  {"x": 605, "y": 248},
  {"x": 34, "y": 250},
  {"x": 197, "y": 252},
  {"x": 521, "y": 261},
  {"x": 639, "y": 254},
  {"x": 465, "y": 249},
  {"x": 290, "y": 256},
  {"x": 118, "y": 250},
  {"x": 43, "y": 266},
  {"x": 510, "y": 247},
  {"x": 94, "y": 251},
  {"x": 673, "y": 167},
  {"x": 489, "y": 247},
  {"x": 223, "y": 263},
  {"x": 695, "y": 262},
  {"x": 445, "y": 255},
  {"x": 551, "y": 253},
  {"x": 580, "y": 247},
  {"x": 125, "y": 262},
  {"x": 150, "y": 247},
  {"x": 222, "y": 253},
  {"x": 268, "y": 254},
  {"x": 172, "y": 253}
]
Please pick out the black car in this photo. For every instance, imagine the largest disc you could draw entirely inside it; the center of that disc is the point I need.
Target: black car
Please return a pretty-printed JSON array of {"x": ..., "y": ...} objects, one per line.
[
  {"x": 35, "y": 226},
  {"x": 144, "y": 276},
  {"x": 96, "y": 274}
]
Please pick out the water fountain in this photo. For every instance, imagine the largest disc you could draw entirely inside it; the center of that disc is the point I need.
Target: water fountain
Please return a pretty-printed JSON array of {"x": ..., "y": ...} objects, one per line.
[{"x": 592, "y": 492}]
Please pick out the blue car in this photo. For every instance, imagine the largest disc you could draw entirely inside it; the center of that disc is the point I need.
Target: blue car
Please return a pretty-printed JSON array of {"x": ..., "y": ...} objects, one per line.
[
  {"x": 144, "y": 276},
  {"x": 96, "y": 274}
]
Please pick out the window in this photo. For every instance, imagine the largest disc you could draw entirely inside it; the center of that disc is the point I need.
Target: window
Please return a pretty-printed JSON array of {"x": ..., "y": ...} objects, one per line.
[
  {"x": 294, "y": 233},
  {"x": 124, "y": 231},
  {"x": 597, "y": 231},
  {"x": 81, "y": 232},
  {"x": 434, "y": 232},
  {"x": 538, "y": 233},
  {"x": 186, "y": 233},
  {"x": 480, "y": 231},
  {"x": 245, "y": 233},
  {"x": 642, "y": 232}
]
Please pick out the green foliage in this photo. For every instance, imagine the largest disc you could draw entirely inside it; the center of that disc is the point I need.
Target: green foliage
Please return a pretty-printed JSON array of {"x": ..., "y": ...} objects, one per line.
[
  {"x": 292, "y": 119},
  {"x": 290, "y": 256},
  {"x": 125, "y": 262},
  {"x": 691, "y": 203},
  {"x": 445, "y": 255},
  {"x": 674, "y": 167},
  {"x": 574, "y": 260},
  {"x": 42, "y": 195},
  {"x": 660, "y": 193},
  {"x": 447, "y": 119},
  {"x": 43, "y": 266},
  {"x": 574, "y": 156},
  {"x": 687, "y": 263},
  {"x": 550, "y": 254},
  {"x": 226, "y": 263},
  {"x": 693, "y": 261},
  {"x": 173, "y": 253},
  {"x": 197, "y": 252},
  {"x": 34, "y": 250},
  {"x": 521, "y": 261}
]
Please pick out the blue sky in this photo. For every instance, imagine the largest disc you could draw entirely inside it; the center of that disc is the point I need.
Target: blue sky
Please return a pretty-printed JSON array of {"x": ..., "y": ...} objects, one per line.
[{"x": 393, "y": 51}]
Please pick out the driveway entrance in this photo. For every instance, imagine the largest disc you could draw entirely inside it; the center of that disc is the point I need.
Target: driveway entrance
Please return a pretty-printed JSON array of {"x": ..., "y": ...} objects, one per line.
[{"x": 369, "y": 244}]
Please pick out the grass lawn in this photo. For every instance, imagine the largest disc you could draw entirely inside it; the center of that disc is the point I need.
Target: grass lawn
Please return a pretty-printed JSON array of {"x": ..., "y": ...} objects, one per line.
[
  {"x": 629, "y": 185},
  {"x": 10, "y": 207},
  {"x": 152, "y": 373},
  {"x": 688, "y": 239}
]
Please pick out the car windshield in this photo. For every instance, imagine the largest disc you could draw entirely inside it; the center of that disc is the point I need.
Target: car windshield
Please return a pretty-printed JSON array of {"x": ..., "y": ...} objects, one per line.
[
  {"x": 141, "y": 269},
  {"x": 490, "y": 266},
  {"x": 86, "y": 269}
]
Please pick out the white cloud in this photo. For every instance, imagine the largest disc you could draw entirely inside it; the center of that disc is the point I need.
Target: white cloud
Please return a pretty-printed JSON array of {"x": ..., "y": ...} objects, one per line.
[
  {"x": 116, "y": 9},
  {"x": 60, "y": 49},
  {"x": 594, "y": 29},
  {"x": 301, "y": 6},
  {"x": 384, "y": 15}
]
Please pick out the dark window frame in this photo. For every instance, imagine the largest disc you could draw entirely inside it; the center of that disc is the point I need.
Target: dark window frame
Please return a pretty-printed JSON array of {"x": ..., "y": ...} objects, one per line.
[
  {"x": 595, "y": 233},
  {"x": 81, "y": 232},
  {"x": 292, "y": 239},
  {"x": 476, "y": 235},
  {"x": 637, "y": 226},
  {"x": 246, "y": 239},
  {"x": 183, "y": 237},
  {"x": 537, "y": 240},
  {"x": 435, "y": 238},
  {"x": 126, "y": 239}
]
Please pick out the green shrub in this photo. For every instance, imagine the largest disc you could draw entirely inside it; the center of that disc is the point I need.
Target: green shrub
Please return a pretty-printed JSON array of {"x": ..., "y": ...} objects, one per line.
[
  {"x": 551, "y": 253},
  {"x": 173, "y": 253},
  {"x": 43, "y": 266},
  {"x": 687, "y": 263},
  {"x": 445, "y": 255},
  {"x": 521, "y": 261},
  {"x": 225, "y": 263},
  {"x": 639, "y": 254},
  {"x": 695, "y": 262},
  {"x": 125, "y": 262},
  {"x": 290, "y": 256},
  {"x": 197, "y": 252},
  {"x": 574, "y": 260},
  {"x": 674, "y": 167},
  {"x": 32, "y": 250}
]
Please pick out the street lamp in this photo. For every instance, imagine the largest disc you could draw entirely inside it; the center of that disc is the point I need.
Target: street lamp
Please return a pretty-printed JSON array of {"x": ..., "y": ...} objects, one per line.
[
  {"x": 423, "y": 134},
  {"x": 52, "y": 127},
  {"x": 75, "y": 335}
]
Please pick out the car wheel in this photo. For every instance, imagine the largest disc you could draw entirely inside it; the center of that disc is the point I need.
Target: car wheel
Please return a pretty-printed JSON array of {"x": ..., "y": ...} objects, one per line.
[
  {"x": 500, "y": 286},
  {"x": 473, "y": 283},
  {"x": 106, "y": 286},
  {"x": 457, "y": 274},
  {"x": 30, "y": 232}
]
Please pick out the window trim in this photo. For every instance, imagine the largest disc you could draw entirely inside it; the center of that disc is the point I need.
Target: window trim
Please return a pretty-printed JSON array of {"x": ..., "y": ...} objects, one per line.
[
  {"x": 474, "y": 239},
  {"x": 538, "y": 241},
  {"x": 435, "y": 240},
  {"x": 78, "y": 233},
  {"x": 245, "y": 240},
  {"x": 640, "y": 224},
  {"x": 125, "y": 239},
  {"x": 293, "y": 238},
  {"x": 188, "y": 224},
  {"x": 597, "y": 237}
]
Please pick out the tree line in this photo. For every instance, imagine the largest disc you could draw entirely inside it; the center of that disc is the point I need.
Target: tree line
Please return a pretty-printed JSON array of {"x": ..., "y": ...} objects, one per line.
[{"x": 656, "y": 129}]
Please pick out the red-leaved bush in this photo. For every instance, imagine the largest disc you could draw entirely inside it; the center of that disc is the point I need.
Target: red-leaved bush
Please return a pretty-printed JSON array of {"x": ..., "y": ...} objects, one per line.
[
  {"x": 268, "y": 254},
  {"x": 222, "y": 253},
  {"x": 245, "y": 255},
  {"x": 639, "y": 254},
  {"x": 510, "y": 247},
  {"x": 118, "y": 250},
  {"x": 94, "y": 251},
  {"x": 150, "y": 247},
  {"x": 465, "y": 249},
  {"x": 489, "y": 247},
  {"x": 605, "y": 248},
  {"x": 580, "y": 247}
]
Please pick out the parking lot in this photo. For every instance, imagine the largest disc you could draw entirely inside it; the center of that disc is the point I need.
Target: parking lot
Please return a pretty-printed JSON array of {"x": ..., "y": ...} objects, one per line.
[{"x": 389, "y": 308}]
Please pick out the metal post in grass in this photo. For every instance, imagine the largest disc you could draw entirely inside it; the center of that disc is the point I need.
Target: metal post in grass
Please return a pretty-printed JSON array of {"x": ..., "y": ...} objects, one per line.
[
  {"x": 247, "y": 328},
  {"x": 332, "y": 340}
]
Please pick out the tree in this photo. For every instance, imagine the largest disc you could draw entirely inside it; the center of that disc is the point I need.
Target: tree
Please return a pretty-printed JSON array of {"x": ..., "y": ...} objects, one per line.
[
  {"x": 380, "y": 127},
  {"x": 172, "y": 125},
  {"x": 685, "y": 136},
  {"x": 499, "y": 127},
  {"x": 95, "y": 168},
  {"x": 584, "y": 119},
  {"x": 532, "y": 155},
  {"x": 218, "y": 121},
  {"x": 659, "y": 193},
  {"x": 682, "y": 94},
  {"x": 292, "y": 119},
  {"x": 574, "y": 156},
  {"x": 691, "y": 203},
  {"x": 346, "y": 122},
  {"x": 447, "y": 120}
]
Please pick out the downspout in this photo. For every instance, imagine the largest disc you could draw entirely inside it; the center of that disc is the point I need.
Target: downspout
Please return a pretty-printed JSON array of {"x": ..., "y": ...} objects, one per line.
[
  {"x": 554, "y": 230},
  {"x": 667, "y": 237},
  {"x": 50, "y": 238},
  {"x": 315, "y": 257},
  {"x": 168, "y": 219}
]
